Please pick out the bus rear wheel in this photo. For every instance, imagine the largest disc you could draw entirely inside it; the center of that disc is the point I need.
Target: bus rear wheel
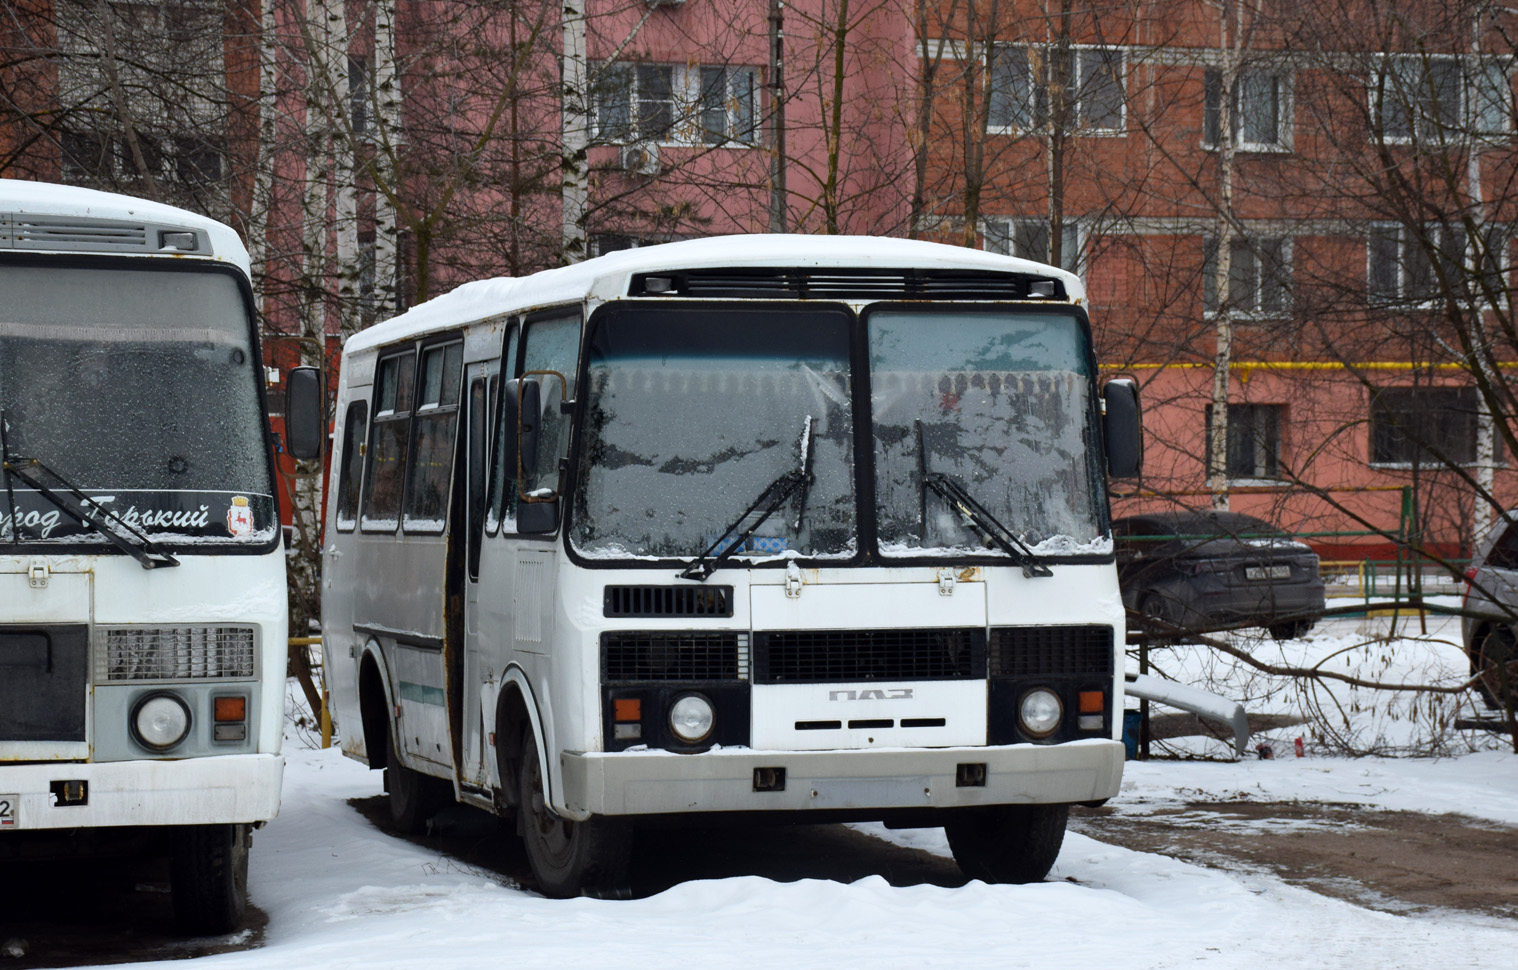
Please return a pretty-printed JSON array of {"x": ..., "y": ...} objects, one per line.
[
  {"x": 209, "y": 872},
  {"x": 1010, "y": 843},
  {"x": 568, "y": 858}
]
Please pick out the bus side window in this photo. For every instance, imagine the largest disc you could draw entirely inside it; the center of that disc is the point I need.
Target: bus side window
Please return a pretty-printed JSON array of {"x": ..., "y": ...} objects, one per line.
[
  {"x": 553, "y": 344},
  {"x": 389, "y": 434},
  {"x": 434, "y": 427},
  {"x": 502, "y": 514},
  {"x": 351, "y": 475},
  {"x": 478, "y": 409}
]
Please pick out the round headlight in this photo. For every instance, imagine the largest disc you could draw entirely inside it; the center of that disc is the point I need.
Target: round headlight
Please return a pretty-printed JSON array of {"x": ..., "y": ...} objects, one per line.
[
  {"x": 691, "y": 717},
  {"x": 161, "y": 721},
  {"x": 1040, "y": 712}
]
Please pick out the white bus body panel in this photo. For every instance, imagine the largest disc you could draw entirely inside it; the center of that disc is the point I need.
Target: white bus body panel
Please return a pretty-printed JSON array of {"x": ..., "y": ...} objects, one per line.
[
  {"x": 110, "y": 590},
  {"x": 193, "y": 791}
]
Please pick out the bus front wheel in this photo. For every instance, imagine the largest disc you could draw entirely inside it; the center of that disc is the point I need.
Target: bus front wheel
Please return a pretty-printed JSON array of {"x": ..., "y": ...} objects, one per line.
[
  {"x": 568, "y": 858},
  {"x": 209, "y": 872},
  {"x": 1010, "y": 843}
]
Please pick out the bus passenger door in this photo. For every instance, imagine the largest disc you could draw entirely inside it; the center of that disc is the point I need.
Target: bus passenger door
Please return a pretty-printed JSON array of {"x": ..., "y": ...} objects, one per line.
[
  {"x": 343, "y": 557},
  {"x": 464, "y": 569}
]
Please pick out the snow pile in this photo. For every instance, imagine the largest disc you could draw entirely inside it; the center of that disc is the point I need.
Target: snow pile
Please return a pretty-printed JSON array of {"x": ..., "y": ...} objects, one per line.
[
  {"x": 1334, "y": 716},
  {"x": 340, "y": 893}
]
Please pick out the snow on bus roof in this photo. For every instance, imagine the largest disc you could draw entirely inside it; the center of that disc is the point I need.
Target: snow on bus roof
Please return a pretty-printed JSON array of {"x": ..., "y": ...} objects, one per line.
[
  {"x": 22, "y": 197},
  {"x": 606, "y": 277}
]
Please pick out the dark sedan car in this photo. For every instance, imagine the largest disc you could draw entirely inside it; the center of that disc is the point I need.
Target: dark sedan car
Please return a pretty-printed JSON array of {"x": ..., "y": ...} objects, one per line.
[
  {"x": 1490, "y": 623},
  {"x": 1211, "y": 570}
]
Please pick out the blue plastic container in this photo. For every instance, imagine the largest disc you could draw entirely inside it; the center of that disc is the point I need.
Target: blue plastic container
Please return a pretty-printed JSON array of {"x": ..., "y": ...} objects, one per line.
[{"x": 1133, "y": 722}]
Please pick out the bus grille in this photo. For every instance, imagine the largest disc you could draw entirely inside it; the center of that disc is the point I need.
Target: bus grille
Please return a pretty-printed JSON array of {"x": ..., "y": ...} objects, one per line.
[
  {"x": 175, "y": 653},
  {"x": 663, "y": 656},
  {"x": 842, "y": 656},
  {"x": 668, "y": 601},
  {"x": 1045, "y": 651}
]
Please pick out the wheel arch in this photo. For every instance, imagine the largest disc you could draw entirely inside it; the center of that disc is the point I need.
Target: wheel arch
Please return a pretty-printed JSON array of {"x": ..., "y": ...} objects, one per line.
[
  {"x": 375, "y": 705},
  {"x": 516, "y": 710}
]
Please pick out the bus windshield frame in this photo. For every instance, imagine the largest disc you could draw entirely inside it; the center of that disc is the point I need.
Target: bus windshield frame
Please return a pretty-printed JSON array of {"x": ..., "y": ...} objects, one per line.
[
  {"x": 1094, "y": 546},
  {"x": 220, "y": 509}
]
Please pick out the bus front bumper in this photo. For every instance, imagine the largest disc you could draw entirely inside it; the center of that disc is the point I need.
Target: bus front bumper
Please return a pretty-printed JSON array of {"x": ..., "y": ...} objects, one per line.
[
  {"x": 724, "y": 780},
  {"x": 194, "y": 791}
]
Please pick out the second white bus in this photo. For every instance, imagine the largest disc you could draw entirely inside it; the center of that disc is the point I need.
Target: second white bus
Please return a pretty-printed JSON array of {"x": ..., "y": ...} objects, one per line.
[
  {"x": 802, "y": 527},
  {"x": 142, "y": 574}
]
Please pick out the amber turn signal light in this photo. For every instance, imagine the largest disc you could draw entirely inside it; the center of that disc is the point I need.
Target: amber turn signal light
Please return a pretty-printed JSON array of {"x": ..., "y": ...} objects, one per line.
[
  {"x": 627, "y": 709},
  {"x": 231, "y": 708},
  {"x": 1091, "y": 702}
]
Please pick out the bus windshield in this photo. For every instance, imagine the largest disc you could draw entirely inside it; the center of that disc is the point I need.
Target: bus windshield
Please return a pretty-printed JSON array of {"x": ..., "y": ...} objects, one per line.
[
  {"x": 998, "y": 402},
  {"x": 139, "y": 386},
  {"x": 693, "y": 413}
]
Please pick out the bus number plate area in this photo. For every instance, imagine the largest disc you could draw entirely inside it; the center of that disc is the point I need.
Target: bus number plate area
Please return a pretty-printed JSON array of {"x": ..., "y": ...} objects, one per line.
[{"x": 8, "y": 813}]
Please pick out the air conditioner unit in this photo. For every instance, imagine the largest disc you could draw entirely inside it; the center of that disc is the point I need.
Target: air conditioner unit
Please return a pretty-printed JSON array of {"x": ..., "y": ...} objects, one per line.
[{"x": 641, "y": 158}]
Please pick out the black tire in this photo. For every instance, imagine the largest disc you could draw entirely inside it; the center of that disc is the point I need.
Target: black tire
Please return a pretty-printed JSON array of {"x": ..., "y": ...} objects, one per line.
[
  {"x": 1289, "y": 630},
  {"x": 1160, "y": 607},
  {"x": 1494, "y": 648},
  {"x": 568, "y": 858},
  {"x": 414, "y": 797},
  {"x": 209, "y": 873},
  {"x": 1009, "y": 844}
]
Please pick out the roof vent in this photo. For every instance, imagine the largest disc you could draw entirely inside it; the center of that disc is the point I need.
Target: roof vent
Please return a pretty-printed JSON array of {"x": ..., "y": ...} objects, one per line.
[
  {"x": 759, "y": 283},
  {"x": 20, "y": 230}
]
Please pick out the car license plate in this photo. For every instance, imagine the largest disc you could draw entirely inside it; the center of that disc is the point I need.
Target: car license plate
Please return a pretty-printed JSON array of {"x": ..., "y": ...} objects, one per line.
[
  {"x": 8, "y": 804},
  {"x": 1267, "y": 572}
]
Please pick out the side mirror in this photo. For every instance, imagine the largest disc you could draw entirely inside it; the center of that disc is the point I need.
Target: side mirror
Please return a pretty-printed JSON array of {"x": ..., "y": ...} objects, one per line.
[
  {"x": 305, "y": 417},
  {"x": 537, "y": 518},
  {"x": 529, "y": 412},
  {"x": 1122, "y": 428}
]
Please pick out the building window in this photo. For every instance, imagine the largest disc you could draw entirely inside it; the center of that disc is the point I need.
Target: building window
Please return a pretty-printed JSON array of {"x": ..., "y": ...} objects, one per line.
[
  {"x": 1423, "y": 96},
  {"x": 1259, "y": 277},
  {"x": 1423, "y": 425},
  {"x": 602, "y": 243},
  {"x": 197, "y": 159},
  {"x": 1079, "y": 90},
  {"x": 1259, "y": 115},
  {"x": 728, "y": 96},
  {"x": 188, "y": 159},
  {"x": 359, "y": 94},
  {"x": 674, "y": 104},
  {"x": 1254, "y": 441},
  {"x": 1029, "y": 239},
  {"x": 86, "y": 154},
  {"x": 1404, "y": 265},
  {"x": 367, "y": 253}
]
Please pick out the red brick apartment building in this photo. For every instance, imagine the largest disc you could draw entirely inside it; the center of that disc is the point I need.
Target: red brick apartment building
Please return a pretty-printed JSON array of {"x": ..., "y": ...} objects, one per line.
[{"x": 1294, "y": 218}]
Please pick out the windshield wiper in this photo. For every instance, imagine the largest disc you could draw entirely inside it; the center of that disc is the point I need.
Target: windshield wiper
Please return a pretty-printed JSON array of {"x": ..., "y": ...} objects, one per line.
[
  {"x": 775, "y": 495},
  {"x": 75, "y": 504},
  {"x": 974, "y": 514}
]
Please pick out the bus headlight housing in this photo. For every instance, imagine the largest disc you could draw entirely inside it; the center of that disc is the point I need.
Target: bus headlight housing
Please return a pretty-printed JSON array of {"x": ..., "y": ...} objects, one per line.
[
  {"x": 691, "y": 718},
  {"x": 1040, "y": 712},
  {"x": 160, "y": 720}
]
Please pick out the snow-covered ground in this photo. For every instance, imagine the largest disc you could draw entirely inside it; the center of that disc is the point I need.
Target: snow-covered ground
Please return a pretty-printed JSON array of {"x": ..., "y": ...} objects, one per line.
[{"x": 339, "y": 893}]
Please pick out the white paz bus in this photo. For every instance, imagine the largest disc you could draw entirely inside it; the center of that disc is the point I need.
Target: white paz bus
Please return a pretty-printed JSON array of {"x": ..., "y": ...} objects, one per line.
[
  {"x": 767, "y": 526},
  {"x": 142, "y": 579}
]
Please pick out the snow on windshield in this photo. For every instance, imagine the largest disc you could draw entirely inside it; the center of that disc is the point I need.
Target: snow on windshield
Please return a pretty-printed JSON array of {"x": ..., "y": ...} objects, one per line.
[
  {"x": 998, "y": 401},
  {"x": 693, "y": 414},
  {"x": 138, "y": 385}
]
